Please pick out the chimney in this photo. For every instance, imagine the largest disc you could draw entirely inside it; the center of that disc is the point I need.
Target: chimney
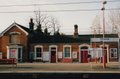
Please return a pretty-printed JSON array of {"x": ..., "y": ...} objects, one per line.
[
  {"x": 75, "y": 30},
  {"x": 31, "y": 24}
]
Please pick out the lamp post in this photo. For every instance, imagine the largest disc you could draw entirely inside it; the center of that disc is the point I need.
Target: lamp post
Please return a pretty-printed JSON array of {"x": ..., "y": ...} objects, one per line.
[{"x": 103, "y": 58}]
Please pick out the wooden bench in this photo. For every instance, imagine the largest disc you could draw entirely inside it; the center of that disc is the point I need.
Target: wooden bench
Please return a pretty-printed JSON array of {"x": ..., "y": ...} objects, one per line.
[{"x": 11, "y": 61}]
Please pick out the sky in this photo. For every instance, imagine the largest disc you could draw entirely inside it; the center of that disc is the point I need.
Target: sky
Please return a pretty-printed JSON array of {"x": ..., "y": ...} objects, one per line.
[{"x": 67, "y": 20}]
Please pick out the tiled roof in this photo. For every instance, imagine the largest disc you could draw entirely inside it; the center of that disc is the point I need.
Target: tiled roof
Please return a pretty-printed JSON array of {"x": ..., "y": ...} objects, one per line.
[
  {"x": 68, "y": 38},
  {"x": 36, "y": 38},
  {"x": 42, "y": 38},
  {"x": 24, "y": 29}
]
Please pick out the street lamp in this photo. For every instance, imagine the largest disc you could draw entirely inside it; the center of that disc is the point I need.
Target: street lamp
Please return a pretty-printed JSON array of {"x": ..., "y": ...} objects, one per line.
[{"x": 103, "y": 58}]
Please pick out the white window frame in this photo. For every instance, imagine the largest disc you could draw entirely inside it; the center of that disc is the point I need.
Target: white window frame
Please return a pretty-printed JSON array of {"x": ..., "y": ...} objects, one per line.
[
  {"x": 64, "y": 51},
  {"x": 38, "y": 46},
  {"x": 111, "y": 52}
]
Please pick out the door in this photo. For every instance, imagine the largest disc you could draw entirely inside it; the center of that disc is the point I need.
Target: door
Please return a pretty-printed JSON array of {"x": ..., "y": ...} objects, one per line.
[
  {"x": 105, "y": 51},
  {"x": 84, "y": 56},
  {"x": 19, "y": 54},
  {"x": 105, "y": 54},
  {"x": 53, "y": 55}
]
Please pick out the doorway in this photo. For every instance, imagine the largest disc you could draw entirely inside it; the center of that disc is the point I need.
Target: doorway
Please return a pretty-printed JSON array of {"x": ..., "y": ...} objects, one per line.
[
  {"x": 106, "y": 54},
  {"x": 84, "y": 56},
  {"x": 53, "y": 52},
  {"x": 19, "y": 54},
  {"x": 83, "y": 53}
]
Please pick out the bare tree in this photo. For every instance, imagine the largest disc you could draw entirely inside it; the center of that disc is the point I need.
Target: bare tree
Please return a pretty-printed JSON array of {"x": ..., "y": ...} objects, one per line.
[
  {"x": 114, "y": 21},
  {"x": 54, "y": 25},
  {"x": 96, "y": 25},
  {"x": 46, "y": 23}
]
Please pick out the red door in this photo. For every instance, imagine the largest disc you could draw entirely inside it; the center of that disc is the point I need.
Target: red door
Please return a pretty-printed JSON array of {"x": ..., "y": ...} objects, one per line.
[
  {"x": 105, "y": 53},
  {"x": 53, "y": 55},
  {"x": 84, "y": 55},
  {"x": 105, "y": 56}
]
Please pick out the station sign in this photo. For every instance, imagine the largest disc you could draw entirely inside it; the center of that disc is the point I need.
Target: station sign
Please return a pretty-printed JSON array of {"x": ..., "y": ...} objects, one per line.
[{"x": 105, "y": 39}]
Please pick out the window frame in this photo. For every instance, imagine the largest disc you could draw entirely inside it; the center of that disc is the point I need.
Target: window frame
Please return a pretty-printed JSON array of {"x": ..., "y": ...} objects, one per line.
[
  {"x": 115, "y": 52},
  {"x": 64, "y": 51},
  {"x": 38, "y": 46}
]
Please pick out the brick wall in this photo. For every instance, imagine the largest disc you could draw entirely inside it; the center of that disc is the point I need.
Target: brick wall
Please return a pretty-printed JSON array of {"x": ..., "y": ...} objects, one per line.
[{"x": 23, "y": 41}]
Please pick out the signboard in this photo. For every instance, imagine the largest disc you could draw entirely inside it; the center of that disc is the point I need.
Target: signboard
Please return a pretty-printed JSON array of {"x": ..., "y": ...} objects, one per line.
[
  {"x": 105, "y": 39},
  {"x": 46, "y": 56},
  {"x": 13, "y": 53},
  {"x": 95, "y": 52},
  {"x": 74, "y": 54},
  {"x": 59, "y": 54}
]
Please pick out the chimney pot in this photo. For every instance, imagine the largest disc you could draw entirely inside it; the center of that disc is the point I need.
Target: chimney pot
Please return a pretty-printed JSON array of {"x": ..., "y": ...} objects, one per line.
[
  {"x": 76, "y": 30},
  {"x": 31, "y": 24}
]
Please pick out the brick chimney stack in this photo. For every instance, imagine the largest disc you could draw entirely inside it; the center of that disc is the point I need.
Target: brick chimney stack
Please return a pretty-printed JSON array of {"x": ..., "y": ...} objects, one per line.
[
  {"x": 31, "y": 24},
  {"x": 75, "y": 30}
]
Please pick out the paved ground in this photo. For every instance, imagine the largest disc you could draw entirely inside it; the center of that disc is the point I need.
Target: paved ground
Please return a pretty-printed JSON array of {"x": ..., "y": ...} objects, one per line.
[
  {"x": 61, "y": 67},
  {"x": 60, "y": 71}
]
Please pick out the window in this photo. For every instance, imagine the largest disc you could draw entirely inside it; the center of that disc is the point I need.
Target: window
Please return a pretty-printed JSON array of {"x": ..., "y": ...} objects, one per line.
[
  {"x": 38, "y": 52},
  {"x": 113, "y": 53},
  {"x": 67, "y": 51},
  {"x": 14, "y": 38}
]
